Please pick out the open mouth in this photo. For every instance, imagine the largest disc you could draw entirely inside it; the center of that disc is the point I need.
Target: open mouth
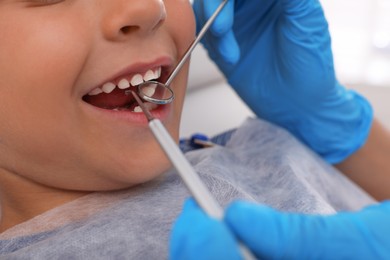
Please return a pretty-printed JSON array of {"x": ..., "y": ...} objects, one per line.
[{"x": 112, "y": 95}]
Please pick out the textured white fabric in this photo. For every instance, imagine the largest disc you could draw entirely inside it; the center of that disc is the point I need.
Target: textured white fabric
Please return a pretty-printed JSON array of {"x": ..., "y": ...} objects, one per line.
[{"x": 261, "y": 163}]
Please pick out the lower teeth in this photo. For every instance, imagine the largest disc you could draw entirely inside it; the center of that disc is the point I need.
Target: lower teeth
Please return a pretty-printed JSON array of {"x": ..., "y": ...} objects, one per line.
[{"x": 136, "y": 109}]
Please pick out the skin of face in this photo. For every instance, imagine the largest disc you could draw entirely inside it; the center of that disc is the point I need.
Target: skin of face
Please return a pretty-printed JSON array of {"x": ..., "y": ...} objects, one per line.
[{"x": 54, "y": 146}]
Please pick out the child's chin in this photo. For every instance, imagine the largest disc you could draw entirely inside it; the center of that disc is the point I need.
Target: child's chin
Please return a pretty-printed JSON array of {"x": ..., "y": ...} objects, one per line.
[{"x": 146, "y": 173}]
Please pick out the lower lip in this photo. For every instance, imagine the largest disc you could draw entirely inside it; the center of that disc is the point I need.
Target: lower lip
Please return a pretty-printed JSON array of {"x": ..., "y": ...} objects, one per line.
[{"x": 161, "y": 112}]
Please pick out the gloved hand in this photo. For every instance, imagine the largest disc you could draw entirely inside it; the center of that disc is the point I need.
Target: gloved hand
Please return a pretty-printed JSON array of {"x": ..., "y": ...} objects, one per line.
[
  {"x": 278, "y": 58},
  {"x": 271, "y": 234}
]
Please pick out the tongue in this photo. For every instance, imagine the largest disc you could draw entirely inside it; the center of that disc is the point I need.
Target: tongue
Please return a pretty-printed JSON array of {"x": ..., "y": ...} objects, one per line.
[{"x": 115, "y": 99}]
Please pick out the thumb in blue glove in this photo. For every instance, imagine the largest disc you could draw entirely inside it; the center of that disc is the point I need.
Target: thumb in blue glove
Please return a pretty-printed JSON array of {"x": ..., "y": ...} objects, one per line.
[{"x": 271, "y": 234}]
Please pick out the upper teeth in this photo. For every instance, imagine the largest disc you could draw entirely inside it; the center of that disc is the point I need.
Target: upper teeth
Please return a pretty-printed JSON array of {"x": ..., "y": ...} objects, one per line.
[
  {"x": 124, "y": 83},
  {"x": 107, "y": 88}
]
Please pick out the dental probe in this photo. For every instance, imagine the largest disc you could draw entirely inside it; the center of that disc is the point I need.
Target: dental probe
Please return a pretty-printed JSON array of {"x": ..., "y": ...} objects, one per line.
[{"x": 187, "y": 173}]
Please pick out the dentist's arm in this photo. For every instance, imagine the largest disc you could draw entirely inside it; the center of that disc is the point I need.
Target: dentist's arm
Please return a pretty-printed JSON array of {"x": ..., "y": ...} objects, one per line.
[{"x": 369, "y": 167}]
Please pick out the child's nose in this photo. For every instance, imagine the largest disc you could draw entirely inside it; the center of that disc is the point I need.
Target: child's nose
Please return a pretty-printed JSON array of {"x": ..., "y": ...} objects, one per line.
[{"x": 123, "y": 17}]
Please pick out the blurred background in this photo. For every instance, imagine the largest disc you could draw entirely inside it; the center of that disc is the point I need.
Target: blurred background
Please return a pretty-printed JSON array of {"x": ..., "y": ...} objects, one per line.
[{"x": 360, "y": 31}]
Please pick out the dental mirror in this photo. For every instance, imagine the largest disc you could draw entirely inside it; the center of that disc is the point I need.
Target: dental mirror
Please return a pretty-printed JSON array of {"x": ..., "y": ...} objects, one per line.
[{"x": 160, "y": 93}]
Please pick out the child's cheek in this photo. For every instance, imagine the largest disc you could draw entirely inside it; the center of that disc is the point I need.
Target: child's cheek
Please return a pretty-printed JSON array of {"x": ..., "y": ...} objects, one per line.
[{"x": 181, "y": 24}]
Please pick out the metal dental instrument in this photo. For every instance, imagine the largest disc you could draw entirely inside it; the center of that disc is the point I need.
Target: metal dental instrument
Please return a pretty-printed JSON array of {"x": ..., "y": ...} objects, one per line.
[
  {"x": 183, "y": 167},
  {"x": 160, "y": 93},
  {"x": 187, "y": 173}
]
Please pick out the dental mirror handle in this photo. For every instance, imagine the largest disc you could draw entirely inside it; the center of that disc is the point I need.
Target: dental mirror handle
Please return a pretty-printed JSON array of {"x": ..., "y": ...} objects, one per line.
[
  {"x": 191, "y": 179},
  {"x": 195, "y": 42},
  {"x": 187, "y": 173}
]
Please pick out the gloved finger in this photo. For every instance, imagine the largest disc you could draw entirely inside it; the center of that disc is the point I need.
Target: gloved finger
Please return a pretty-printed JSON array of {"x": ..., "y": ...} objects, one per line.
[
  {"x": 223, "y": 23},
  {"x": 256, "y": 235},
  {"x": 224, "y": 51},
  {"x": 220, "y": 41},
  {"x": 197, "y": 236},
  {"x": 272, "y": 234},
  {"x": 306, "y": 43},
  {"x": 295, "y": 7},
  {"x": 303, "y": 13},
  {"x": 275, "y": 235}
]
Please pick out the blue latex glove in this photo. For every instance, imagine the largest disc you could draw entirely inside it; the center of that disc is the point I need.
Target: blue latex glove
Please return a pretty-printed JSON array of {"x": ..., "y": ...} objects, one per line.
[
  {"x": 278, "y": 58},
  {"x": 271, "y": 234},
  {"x": 188, "y": 235}
]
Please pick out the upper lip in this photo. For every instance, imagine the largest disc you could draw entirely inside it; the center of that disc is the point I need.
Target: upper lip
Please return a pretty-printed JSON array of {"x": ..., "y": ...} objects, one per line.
[{"x": 165, "y": 62}]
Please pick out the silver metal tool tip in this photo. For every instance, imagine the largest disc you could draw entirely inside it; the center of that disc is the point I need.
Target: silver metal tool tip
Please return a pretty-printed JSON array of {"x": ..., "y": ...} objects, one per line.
[{"x": 143, "y": 107}]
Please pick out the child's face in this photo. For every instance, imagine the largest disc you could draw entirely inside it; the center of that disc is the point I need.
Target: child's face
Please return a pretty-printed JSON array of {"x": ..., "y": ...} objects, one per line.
[{"x": 52, "y": 54}]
